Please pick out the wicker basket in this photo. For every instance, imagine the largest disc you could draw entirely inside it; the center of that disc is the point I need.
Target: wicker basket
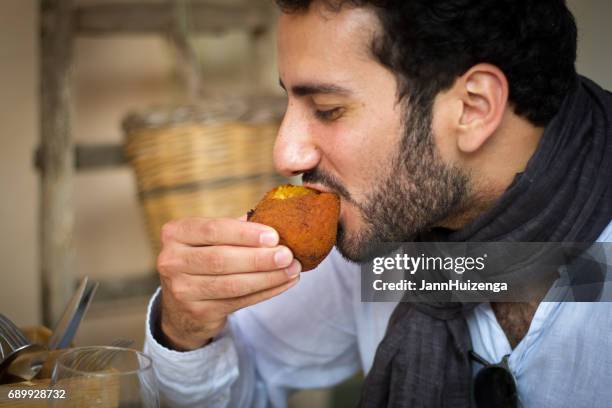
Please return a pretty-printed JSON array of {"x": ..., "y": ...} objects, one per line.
[{"x": 213, "y": 160}]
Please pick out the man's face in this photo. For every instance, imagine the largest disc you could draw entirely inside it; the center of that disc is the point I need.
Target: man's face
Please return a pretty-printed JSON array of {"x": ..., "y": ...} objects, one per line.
[{"x": 345, "y": 131}]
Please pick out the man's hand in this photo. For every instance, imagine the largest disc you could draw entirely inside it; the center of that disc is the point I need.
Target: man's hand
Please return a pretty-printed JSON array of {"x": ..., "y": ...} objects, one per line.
[{"x": 210, "y": 268}]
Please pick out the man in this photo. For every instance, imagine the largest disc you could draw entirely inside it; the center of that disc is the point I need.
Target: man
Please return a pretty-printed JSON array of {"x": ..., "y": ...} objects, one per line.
[{"x": 447, "y": 120}]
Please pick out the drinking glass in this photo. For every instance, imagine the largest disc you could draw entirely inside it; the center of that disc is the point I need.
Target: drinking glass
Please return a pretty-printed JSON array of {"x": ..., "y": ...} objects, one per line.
[{"x": 104, "y": 377}]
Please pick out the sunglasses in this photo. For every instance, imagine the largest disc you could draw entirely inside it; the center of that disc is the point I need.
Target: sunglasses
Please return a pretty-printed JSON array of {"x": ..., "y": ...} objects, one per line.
[{"x": 494, "y": 385}]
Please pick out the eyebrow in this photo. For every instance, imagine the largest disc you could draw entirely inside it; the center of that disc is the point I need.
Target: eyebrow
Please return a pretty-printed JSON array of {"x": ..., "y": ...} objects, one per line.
[{"x": 312, "y": 89}]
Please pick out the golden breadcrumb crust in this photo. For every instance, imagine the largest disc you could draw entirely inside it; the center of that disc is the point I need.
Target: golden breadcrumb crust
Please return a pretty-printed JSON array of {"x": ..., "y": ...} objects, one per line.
[{"x": 305, "y": 219}]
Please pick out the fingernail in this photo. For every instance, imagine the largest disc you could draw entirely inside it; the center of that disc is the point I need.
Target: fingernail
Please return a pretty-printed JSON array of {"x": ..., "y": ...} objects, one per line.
[
  {"x": 268, "y": 238},
  {"x": 294, "y": 269},
  {"x": 283, "y": 257}
]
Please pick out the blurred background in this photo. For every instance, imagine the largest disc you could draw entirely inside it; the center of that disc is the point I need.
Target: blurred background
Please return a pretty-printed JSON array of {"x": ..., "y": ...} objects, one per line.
[{"x": 111, "y": 76}]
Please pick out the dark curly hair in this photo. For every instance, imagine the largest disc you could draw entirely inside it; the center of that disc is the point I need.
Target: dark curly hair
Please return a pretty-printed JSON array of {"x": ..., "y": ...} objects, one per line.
[{"x": 428, "y": 44}]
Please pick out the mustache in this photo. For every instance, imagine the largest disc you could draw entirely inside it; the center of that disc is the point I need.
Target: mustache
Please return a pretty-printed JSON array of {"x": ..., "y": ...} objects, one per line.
[{"x": 320, "y": 177}]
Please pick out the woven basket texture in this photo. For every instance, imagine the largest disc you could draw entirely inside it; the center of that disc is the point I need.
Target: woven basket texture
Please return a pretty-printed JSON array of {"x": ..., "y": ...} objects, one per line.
[{"x": 189, "y": 163}]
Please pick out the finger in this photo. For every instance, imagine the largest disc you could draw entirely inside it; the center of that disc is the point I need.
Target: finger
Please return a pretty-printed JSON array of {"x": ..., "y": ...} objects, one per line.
[
  {"x": 191, "y": 288},
  {"x": 218, "y": 231},
  {"x": 228, "y": 306},
  {"x": 231, "y": 305},
  {"x": 221, "y": 259},
  {"x": 219, "y": 309},
  {"x": 243, "y": 217}
]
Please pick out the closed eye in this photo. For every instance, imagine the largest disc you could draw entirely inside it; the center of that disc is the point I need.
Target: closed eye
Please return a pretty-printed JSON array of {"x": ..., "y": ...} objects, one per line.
[{"x": 330, "y": 114}]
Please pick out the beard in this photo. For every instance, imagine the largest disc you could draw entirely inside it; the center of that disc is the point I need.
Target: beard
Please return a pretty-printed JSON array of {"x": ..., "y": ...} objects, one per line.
[{"x": 418, "y": 191}]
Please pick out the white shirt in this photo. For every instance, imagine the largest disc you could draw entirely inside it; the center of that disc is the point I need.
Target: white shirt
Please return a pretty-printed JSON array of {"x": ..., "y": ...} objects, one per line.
[{"x": 319, "y": 333}]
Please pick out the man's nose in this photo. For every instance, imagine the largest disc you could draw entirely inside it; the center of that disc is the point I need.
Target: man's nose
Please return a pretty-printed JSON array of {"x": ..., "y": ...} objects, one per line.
[{"x": 294, "y": 150}]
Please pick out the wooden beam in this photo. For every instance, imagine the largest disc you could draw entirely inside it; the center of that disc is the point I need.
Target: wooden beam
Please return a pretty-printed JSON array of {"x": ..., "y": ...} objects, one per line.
[
  {"x": 91, "y": 157},
  {"x": 147, "y": 17},
  {"x": 56, "y": 187},
  {"x": 134, "y": 286}
]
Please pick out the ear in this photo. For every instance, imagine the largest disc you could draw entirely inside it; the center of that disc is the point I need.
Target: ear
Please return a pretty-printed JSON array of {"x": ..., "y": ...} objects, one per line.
[{"x": 483, "y": 90}]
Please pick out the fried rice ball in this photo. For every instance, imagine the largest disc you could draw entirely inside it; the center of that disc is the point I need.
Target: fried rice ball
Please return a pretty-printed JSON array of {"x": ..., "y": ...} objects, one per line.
[{"x": 305, "y": 219}]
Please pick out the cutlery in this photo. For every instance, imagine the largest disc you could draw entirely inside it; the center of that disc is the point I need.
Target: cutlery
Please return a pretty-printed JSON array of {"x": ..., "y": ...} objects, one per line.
[
  {"x": 12, "y": 335},
  {"x": 24, "y": 359},
  {"x": 98, "y": 360},
  {"x": 67, "y": 315},
  {"x": 68, "y": 324},
  {"x": 26, "y": 362}
]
